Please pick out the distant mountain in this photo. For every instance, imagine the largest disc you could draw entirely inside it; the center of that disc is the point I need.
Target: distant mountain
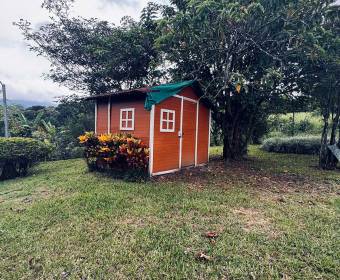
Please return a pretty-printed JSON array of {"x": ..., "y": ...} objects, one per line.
[{"x": 28, "y": 103}]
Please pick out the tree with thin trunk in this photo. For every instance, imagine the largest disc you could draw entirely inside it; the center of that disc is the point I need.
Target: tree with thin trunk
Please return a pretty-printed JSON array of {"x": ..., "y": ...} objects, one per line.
[{"x": 320, "y": 78}]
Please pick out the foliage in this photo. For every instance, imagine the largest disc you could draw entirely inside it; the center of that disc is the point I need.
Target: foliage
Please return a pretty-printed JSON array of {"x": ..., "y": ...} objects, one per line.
[
  {"x": 18, "y": 154},
  {"x": 293, "y": 145},
  {"x": 120, "y": 153},
  {"x": 242, "y": 52},
  {"x": 74, "y": 116},
  {"x": 95, "y": 56},
  {"x": 82, "y": 224},
  {"x": 253, "y": 58},
  {"x": 320, "y": 71},
  {"x": 301, "y": 123},
  {"x": 57, "y": 125}
]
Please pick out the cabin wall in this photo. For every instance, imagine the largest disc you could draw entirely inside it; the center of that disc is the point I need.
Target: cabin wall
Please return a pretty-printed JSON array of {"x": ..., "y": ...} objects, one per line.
[
  {"x": 141, "y": 120},
  {"x": 203, "y": 140},
  {"x": 102, "y": 116},
  {"x": 189, "y": 93}
]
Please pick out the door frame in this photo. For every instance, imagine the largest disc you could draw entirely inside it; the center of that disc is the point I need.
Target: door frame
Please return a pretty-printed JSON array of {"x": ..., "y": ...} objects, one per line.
[
  {"x": 180, "y": 132},
  {"x": 151, "y": 140}
]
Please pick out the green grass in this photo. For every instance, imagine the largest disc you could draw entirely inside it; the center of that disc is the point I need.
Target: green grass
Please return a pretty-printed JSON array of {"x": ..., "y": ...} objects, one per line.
[{"x": 276, "y": 216}]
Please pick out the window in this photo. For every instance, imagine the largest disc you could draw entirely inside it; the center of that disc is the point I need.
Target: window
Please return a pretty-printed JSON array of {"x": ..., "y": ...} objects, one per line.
[
  {"x": 127, "y": 119},
  {"x": 167, "y": 120}
]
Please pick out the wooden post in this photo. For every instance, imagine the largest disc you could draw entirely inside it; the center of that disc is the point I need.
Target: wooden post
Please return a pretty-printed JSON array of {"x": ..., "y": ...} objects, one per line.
[{"x": 3, "y": 86}]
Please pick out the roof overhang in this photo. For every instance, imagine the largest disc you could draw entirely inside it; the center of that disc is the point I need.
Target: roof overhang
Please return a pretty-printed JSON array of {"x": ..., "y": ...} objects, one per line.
[
  {"x": 124, "y": 94},
  {"x": 148, "y": 93}
]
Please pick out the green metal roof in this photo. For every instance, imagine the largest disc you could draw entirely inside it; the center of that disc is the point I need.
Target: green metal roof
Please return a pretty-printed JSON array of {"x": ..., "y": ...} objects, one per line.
[{"x": 159, "y": 93}]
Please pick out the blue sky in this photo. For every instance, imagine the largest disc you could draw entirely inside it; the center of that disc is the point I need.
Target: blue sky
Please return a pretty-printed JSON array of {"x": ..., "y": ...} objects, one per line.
[{"x": 21, "y": 69}]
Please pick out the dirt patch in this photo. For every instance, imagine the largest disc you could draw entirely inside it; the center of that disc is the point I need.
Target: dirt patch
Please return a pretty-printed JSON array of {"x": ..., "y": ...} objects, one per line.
[
  {"x": 26, "y": 197},
  {"x": 11, "y": 191},
  {"x": 133, "y": 221},
  {"x": 243, "y": 174},
  {"x": 254, "y": 220}
]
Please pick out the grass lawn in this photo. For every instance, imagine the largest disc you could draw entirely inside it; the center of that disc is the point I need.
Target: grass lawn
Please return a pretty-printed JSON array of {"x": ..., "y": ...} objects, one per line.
[{"x": 276, "y": 216}]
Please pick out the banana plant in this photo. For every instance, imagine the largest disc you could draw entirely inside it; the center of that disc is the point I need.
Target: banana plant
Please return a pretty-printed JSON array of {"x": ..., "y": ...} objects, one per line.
[{"x": 38, "y": 127}]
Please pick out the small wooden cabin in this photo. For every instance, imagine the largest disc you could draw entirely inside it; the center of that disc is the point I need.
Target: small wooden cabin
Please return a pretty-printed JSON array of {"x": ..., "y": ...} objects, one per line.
[{"x": 173, "y": 119}]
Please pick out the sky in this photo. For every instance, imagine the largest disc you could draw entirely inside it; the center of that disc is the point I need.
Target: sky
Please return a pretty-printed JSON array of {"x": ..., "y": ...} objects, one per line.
[{"x": 20, "y": 69}]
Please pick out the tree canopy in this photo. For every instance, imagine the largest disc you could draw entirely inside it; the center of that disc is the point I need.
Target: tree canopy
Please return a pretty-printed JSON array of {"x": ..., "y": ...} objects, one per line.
[
  {"x": 243, "y": 52},
  {"x": 251, "y": 57},
  {"x": 95, "y": 56}
]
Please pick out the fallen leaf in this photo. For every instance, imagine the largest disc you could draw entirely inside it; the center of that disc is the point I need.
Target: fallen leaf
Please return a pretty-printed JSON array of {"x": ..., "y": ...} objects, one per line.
[
  {"x": 281, "y": 199},
  {"x": 203, "y": 257},
  {"x": 211, "y": 234},
  {"x": 65, "y": 275}
]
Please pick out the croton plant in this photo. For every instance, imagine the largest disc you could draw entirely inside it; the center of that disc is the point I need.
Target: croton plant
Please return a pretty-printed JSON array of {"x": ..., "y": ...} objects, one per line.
[{"x": 115, "y": 151}]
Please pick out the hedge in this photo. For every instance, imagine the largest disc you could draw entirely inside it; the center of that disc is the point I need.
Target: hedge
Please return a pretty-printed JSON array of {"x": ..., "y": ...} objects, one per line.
[
  {"x": 293, "y": 145},
  {"x": 123, "y": 155},
  {"x": 17, "y": 154}
]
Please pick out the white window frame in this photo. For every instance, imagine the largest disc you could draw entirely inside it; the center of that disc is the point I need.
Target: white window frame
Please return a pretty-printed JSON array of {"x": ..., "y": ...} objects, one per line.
[
  {"x": 127, "y": 110},
  {"x": 167, "y": 120}
]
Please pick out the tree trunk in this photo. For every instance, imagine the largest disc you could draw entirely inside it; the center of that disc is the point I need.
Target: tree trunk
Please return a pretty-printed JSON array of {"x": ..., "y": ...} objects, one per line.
[
  {"x": 293, "y": 131},
  {"x": 235, "y": 136},
  {"x": 233, "y": 147},
  {"x": 332, "y": 162},
  {"x": 327, "y": 160},
  {"x": 238, "y": 125}
]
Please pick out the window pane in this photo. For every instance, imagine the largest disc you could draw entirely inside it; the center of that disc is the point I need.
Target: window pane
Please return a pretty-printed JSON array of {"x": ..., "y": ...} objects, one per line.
[
  {"x": 170, "y": 125},
  {"x": 129, "y": 115},
  {"x": 123, "y": 124},
  {"x": 163, "y": 124},
  {"x": 123, "y": 115},
  {"x": 164, "y": 116},
  {"x": 129, "y": 124},
  {"x": 171, "y": 116}
]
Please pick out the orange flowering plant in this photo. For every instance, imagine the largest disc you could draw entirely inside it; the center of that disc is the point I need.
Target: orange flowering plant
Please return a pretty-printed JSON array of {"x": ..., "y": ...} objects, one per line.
[{"x": 118, "y": 152}]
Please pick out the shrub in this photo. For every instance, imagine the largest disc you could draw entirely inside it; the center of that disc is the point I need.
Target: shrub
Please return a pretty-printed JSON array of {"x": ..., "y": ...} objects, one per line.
[
  {"x": 305, "y": 123},
  {"x": 18, "y": 154},
  {"x": 293, "y": 145},
  {"x": 122, "y": 154}
]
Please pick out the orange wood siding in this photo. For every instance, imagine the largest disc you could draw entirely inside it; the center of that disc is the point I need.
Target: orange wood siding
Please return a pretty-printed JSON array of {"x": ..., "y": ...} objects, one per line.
[
  {"x": 102, "y": 117},
  {"x": 189, "y": 133},
  {"x": 189, "y": 92},
  {"x": 142, "y": 119},
  {"x": 203, "y": 134},
  {"x": 166, "y": 144}
]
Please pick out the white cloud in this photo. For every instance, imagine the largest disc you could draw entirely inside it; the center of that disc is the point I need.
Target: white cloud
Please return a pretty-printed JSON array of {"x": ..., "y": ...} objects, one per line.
[{"x": 21, "y": 69}]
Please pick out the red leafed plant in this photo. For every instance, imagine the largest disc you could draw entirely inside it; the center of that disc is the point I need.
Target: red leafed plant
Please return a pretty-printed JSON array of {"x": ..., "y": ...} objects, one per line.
[{"x": 115, "y": 152}]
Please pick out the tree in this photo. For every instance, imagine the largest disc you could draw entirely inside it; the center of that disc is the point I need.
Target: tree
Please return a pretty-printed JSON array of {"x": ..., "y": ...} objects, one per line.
[
  {"x": 320, "y": 78},
  {"x": 241, "y": 51},
  {"x": 248, "y": 55},
  {"x": 95, "y": 56}
]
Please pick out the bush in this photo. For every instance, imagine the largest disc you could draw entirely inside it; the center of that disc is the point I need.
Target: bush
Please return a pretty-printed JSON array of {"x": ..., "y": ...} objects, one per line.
[
  {"x": 18, "y": 154},
  {"x": 305, "y": 123},
  {"x": 292, "y": 145},
  {"x": 121, "y": 154}
]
